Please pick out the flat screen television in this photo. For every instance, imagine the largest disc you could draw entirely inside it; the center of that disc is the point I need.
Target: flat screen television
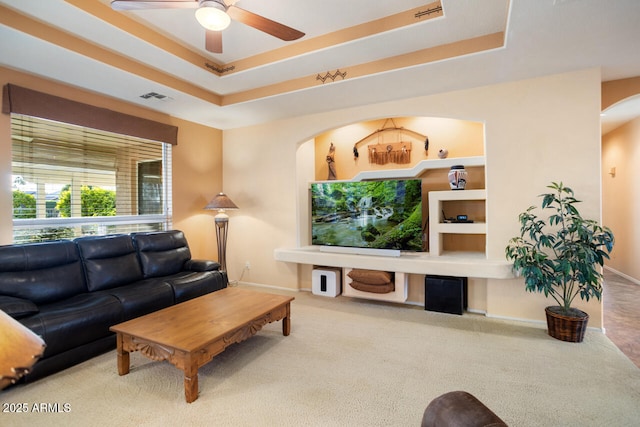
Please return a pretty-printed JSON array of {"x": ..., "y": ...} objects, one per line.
[{"x": 383, "y": 214}]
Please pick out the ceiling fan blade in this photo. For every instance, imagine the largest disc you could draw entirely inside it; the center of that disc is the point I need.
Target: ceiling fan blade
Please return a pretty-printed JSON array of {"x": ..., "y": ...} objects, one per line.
[
  {"x": 266, "y": 25},
  {"x": 157, "y": 4},
  {"x": 213, "y": 41}
]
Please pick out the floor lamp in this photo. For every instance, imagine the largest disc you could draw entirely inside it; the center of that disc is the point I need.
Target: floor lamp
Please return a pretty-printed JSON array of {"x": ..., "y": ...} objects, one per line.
[{"x": 221, "y": 203}]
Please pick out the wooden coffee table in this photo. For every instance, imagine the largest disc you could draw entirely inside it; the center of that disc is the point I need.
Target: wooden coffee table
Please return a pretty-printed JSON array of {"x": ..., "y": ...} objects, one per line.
[{"x": 190, "y": 334}]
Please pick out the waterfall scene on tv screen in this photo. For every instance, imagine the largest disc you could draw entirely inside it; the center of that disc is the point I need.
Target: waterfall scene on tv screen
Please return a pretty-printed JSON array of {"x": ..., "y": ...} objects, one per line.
[{"x": 368, "y": 214}]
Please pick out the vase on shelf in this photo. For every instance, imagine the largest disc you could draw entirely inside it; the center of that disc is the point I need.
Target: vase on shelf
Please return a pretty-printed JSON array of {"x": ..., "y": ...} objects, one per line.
[{"x": 457, "y": 177}]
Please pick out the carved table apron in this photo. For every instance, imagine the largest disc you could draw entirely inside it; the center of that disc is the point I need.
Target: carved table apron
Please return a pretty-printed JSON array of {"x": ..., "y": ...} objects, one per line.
[{"x": 190, "y": 334}]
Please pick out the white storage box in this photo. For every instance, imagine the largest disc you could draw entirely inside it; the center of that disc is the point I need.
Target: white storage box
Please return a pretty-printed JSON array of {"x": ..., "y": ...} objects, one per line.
[{"x": 326, "y": 282}]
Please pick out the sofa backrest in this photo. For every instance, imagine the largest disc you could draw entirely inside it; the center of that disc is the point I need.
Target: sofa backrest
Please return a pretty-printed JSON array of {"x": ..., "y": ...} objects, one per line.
[
  {"x": 161, "y": 253},
  {"x": 41, "y": 272},
  {"x": 109, "y": 261}
]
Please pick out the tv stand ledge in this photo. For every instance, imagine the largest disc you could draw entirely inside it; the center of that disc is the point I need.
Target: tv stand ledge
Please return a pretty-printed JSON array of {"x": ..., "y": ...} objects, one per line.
[{"x": 455, "y": 264}]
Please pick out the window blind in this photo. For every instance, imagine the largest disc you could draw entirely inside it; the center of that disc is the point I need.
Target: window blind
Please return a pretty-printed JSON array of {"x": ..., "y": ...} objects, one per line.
[{"x": 70, "y": 180}]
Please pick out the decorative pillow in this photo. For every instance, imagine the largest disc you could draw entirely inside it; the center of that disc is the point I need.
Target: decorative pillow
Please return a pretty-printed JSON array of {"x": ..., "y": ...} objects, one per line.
[
  {"x": 376, "y": 289},
  {"x": 371, "y": 277},
  {"x": 17, "y": 307}
]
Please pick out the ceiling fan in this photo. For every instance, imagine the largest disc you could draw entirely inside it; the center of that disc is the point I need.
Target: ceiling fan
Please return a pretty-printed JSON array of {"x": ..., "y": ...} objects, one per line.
[{"x": 215, "y": 16}]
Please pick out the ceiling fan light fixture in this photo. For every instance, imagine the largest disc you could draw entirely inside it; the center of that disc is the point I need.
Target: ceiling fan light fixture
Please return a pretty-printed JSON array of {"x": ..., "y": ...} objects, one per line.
[{"x": 212, "y": 16}]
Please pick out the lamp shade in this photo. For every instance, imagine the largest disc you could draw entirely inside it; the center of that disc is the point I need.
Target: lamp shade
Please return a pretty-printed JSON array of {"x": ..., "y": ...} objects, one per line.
[
  {"x": 20, "y": 348},
  {"x": 221, "y": 202},
  {"x": 212, "y": 16}
]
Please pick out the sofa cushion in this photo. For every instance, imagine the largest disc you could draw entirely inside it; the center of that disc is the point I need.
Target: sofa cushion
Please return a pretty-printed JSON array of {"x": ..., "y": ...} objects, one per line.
[
  {"x": 41, "y": 272},
  {"x": 370, "y": 277},
  {"x": 140, "y": 298},
  {"x": 109, "y": 261},
  {"x": 17, "y": 307},
  {"x": 75, "y": 321},
  {"x": 384, "y": 288},
  {"x": 161, "y": 253}
]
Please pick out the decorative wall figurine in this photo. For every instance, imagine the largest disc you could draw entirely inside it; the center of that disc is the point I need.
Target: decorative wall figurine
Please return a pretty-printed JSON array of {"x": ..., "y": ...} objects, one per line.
[
  {"x": 331, "y": 162},
  {"x": 443, "y": 153}
]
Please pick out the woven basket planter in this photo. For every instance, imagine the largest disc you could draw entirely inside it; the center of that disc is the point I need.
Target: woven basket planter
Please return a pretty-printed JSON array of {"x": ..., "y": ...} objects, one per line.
[{"x": 566, "y": 328}]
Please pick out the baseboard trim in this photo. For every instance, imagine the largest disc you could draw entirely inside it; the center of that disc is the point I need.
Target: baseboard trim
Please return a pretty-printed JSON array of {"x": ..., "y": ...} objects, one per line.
[
  {"x": 260, "y": 285},
  {"x": 539, "y": 323},
  {"x": 621, "y": 274}
]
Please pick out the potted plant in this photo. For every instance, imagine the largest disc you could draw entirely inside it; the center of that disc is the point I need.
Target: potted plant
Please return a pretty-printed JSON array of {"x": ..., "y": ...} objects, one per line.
[{"x": 561, "y": 256}]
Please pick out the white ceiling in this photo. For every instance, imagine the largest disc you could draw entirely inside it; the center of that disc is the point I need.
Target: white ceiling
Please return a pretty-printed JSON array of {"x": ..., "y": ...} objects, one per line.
[{"x": 543, "y": 37}]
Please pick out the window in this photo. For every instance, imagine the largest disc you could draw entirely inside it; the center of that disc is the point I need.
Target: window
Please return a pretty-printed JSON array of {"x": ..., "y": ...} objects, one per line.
[{"x": 71, "y": 180}]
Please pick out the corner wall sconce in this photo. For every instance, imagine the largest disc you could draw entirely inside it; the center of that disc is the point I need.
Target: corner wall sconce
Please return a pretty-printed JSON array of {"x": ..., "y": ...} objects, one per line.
[{"x": 221, "y": 202}]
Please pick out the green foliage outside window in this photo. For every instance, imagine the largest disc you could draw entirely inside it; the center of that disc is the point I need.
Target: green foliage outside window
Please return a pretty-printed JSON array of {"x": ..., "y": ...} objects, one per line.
[
  {"x": 24, "y": 205},
  {"x": 94, "y": 201}
]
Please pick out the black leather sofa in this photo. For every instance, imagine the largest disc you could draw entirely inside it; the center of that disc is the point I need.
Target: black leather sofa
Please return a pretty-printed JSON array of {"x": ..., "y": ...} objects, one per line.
[{"x": 71, "y": 292}]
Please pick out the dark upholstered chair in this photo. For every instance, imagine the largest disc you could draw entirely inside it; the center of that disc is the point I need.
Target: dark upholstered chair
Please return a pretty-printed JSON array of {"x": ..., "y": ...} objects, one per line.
[{"x": 459, "y": 409}]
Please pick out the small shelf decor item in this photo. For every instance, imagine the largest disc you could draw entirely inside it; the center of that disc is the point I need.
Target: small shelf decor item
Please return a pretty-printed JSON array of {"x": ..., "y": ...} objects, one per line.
[
  {"x": 457, "y": 177},
  {"x": 561, "y": 256}
]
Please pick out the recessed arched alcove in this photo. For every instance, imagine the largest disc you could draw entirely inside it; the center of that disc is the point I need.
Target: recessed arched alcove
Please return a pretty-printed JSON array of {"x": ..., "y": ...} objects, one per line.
[
  {"x": 461, "y": 138},
  {"x": 423, "y": 137}
]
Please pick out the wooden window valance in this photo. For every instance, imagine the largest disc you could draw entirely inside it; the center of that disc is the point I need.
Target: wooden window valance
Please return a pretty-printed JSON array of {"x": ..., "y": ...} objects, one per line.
[{"x": 19, "y": 100}]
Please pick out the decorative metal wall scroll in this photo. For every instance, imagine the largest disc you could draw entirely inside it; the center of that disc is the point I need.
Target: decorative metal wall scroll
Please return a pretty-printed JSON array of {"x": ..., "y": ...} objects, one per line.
[{"x": 332, "y": 77}]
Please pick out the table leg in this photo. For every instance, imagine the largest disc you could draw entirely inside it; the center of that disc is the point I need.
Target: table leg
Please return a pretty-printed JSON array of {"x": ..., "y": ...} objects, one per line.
[
  {"x": 286, "y": 322},
  {"x": 123, "y": 356},
  {"x": 191, "y": 383}
]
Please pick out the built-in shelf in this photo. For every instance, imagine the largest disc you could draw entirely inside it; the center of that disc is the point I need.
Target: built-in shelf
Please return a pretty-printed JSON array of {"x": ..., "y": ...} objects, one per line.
[
  {"x": 437, "y": 226},
  {"x": 468, "y": 264},
  {"x": 437, "y": 262},
  {"x": 419, "y": 168}
]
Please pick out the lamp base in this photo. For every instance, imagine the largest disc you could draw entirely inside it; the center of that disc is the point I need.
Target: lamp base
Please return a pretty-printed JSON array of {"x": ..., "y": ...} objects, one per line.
[{"x": 222, "y": 226}]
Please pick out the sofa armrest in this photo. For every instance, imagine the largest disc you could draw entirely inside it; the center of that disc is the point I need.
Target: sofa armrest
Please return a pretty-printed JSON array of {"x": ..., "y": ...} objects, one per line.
[{"x": 201, "y": 265}]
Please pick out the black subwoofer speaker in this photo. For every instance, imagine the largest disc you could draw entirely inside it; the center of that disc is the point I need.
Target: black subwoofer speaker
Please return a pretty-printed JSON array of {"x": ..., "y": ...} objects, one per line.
[{"x": 445, "y": 294}]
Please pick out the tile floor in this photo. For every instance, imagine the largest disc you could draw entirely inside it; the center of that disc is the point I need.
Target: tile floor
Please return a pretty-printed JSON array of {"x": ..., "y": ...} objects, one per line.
[{"x": 622, "y": 314}]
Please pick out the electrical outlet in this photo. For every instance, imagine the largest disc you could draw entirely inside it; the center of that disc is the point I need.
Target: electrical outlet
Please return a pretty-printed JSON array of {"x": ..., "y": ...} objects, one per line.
[{"x": 247, "y": 265}]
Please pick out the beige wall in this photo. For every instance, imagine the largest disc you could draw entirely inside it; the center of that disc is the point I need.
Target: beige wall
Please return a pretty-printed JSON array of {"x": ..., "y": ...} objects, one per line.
[
  {"x": 536, "y": 131},
  {"x": 621, "y": 196},
  {"x": 197, "y": 163}
]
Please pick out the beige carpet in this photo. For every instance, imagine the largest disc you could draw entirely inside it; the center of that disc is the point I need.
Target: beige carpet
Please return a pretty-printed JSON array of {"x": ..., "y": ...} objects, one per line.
[{"x": 352, "y": 362}]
